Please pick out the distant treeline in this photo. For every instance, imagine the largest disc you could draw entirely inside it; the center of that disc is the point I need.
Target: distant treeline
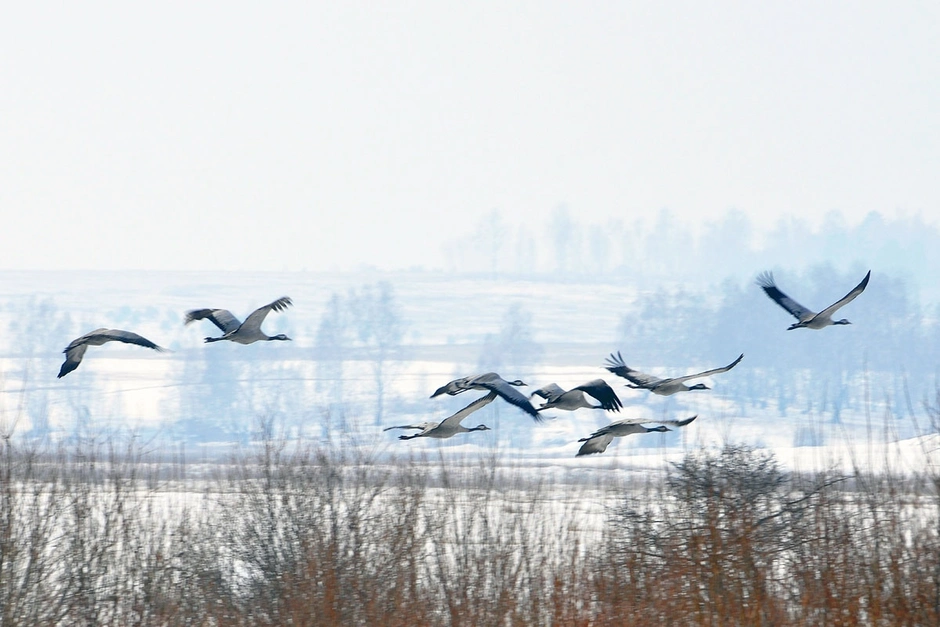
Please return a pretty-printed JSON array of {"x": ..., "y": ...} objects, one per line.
[{"x": 650, "y": 249}]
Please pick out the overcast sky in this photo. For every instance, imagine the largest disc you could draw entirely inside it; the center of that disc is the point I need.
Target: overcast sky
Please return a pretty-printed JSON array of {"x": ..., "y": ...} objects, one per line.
[{"x": 322, "y": 135}]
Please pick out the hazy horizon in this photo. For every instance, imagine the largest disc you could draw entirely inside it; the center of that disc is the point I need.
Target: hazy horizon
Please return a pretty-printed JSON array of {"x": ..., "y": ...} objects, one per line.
[{"x": 333, "y": 137}]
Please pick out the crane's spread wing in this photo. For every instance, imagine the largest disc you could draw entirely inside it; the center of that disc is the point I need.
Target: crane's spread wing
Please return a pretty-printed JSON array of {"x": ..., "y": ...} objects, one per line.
[
  {"x": 221, "y": 318},
  {"x": 102, "y": 336},
  {"x": 456, "y": 386},
  {"x": 483, "y": 401},
  {"x": 602, "y": 393},
  {"x": 493, "y": 382},
  {"x": 421, "y": 426},
  {"x": 480, "y": 381},
  {"x": 798, "y": 311},
  {"x": 595, "y": 444},
  {"x": 615, "y": 364},
  {"x": 679, "y": 423},
  {"x": 77, "y": 347},
  {"x": 73, "y": 357},
  {"x": 84, "y": 340},
  {"x": 549, "y": 392},
  {"x": 644, "y": 421},
  {"x": 258, "y": 315},
  {"x": 711, "y": 372},
  {"x": 598, "y": 441},
  {"x": 128, "y": 337},
  {"x": 848, "y": 298}
]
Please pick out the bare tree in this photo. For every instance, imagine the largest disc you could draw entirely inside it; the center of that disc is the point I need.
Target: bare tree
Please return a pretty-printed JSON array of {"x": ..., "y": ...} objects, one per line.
[
  {"x": 490, "y": 236},
  {"x": 333, "y": 340},
  {"x": 379, "y": 328},
  {"x": 565, "y": 239},
  {"x": 38, "y": 332},
  {"x": 513, "y": 347}
]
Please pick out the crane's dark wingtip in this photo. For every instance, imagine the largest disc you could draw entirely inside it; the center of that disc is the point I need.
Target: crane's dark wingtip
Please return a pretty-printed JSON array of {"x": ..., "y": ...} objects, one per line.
[
  {"x": 530, "y": 409},
  {"x": 541, "y": 418},
  {"x": 281, "y": 303},
  {"x": 766, "y": 280},
  {"x": 440, "y": 390},
  {"x": 615, "y": 364}
]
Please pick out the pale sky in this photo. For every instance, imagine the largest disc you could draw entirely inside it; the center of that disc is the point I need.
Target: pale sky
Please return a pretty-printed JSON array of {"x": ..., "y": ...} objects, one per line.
[{"x": 331, "y": 135}]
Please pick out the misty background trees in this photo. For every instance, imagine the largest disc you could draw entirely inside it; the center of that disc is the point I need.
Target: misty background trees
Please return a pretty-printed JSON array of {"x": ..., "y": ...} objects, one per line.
[{"x": 655, "y": 248}]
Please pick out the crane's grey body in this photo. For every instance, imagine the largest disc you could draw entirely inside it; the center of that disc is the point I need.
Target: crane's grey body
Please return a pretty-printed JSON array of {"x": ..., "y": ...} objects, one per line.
[
  {"x": 450, "y": 426},
  {"x": 246, "y": 332},
  {"x": 807, "y": 318},
  {"x": 492, "y": 382},
  {"x": 577, "y": 397},
  {"x": 598, "y": 441},
  {"x": 76, "y": 349},
  {"x": 663, "y": 387}
]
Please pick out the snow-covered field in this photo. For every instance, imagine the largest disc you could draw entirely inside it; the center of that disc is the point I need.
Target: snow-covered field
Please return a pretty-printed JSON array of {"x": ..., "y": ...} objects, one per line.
[{"x": 447, "y": 323}]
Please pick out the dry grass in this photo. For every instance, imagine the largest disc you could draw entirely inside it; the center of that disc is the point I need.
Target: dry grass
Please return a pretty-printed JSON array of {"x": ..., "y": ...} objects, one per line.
[{"x": 291, "y": 533}]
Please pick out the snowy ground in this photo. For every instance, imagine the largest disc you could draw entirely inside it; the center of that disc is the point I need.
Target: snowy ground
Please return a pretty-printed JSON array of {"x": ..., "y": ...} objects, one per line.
[{"x": 447, "y": 322}]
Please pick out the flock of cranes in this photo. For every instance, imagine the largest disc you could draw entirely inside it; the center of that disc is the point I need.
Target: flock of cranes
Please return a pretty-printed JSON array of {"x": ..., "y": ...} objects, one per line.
[
  {"x": 246, "y": 332},
  {"x": 554, "y": 396}
]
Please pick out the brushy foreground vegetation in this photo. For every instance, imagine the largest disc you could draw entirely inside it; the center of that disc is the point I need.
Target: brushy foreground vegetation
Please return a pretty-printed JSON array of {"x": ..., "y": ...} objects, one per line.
[{"x": 295, "y": 534}]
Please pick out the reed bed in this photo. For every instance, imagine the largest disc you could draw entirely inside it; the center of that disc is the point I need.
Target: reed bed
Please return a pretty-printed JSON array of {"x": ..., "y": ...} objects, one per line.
[{"x": 108, "y": 532}]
